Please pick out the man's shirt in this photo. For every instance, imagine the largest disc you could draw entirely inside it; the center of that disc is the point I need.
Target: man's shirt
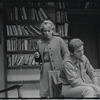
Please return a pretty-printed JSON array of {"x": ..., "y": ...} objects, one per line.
[{"x": 73, "y": 71}]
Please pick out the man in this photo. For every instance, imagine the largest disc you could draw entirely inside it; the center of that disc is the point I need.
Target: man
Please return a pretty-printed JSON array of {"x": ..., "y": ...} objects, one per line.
[{"x": 77, "y": 74}]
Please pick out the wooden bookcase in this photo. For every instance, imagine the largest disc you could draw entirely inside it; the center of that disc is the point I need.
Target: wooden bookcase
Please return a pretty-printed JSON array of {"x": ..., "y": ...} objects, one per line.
[
  {"x": 21, "y": 17},
  {"x": 22, "y": 20}
]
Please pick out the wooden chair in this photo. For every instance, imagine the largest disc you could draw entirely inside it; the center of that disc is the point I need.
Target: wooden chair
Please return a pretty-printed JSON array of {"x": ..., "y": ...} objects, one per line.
[{"x": 54, "y": 84}]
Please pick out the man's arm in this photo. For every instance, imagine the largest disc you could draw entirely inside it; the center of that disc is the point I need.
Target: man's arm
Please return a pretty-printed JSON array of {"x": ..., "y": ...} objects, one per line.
[
  {"x": 91, "y": 72},
  {"x": 74, "y": 80},
  {"x": 95, "y": 80}
]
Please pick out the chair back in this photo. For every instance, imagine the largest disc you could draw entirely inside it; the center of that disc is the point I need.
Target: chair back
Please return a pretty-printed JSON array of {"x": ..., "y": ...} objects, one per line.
[{"x": 54, "y": 84}]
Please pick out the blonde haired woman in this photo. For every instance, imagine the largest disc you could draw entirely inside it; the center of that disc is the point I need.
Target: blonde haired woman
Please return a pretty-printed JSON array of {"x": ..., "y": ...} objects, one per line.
[{"x": 52, "y": 50}]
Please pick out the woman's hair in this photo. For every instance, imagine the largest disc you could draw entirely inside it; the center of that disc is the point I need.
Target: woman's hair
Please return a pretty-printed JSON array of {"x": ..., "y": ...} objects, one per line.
[
  {"x": 74, "y": 44},
  {"x": 45, "y": 23}
]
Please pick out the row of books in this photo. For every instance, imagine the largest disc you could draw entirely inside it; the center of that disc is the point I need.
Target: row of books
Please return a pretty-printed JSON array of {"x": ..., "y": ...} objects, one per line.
[
  {"x": 22, "y": 30},
  {"x": 61, "y": 16},
  {"x": 60, "y": 5},
  {"x": 84, "y": 4},
  {"x": 21, "y": 59},
  {"x": 31, "y": 3},
  {"x": 62, "y": 29},
  {"x": 22, "y": 13},
  {"x": 40, "y": 4},
  {"x": 14, "y": 44}
]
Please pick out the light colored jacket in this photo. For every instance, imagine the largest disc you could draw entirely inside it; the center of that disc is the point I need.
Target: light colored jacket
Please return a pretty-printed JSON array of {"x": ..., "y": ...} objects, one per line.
[
  {"x": 57, "y": 51},
  {"x": 72, "y": 73}
]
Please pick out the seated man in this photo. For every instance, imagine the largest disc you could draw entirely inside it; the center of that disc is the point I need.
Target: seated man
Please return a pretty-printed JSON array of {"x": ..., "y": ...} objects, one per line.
[{"x": 77, "y": 74}]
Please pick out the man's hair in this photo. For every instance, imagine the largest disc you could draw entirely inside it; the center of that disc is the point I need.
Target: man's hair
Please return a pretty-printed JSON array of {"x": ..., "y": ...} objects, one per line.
[
  {"x": 74, "y": 44},
  {"x": 44, "y": 23}
]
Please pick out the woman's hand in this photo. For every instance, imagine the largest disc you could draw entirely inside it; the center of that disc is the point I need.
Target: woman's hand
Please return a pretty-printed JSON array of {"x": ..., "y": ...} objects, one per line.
[{"x": 36, "y": 54}]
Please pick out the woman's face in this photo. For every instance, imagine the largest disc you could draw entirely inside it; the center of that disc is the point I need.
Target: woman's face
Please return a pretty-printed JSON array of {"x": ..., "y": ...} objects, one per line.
[{"x": 47, "y": 31}]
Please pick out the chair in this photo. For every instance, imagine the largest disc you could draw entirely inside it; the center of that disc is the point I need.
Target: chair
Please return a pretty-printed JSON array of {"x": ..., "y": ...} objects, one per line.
[
  {"x": 54, "y": 84},
  {"x": 12, "y": 88}
]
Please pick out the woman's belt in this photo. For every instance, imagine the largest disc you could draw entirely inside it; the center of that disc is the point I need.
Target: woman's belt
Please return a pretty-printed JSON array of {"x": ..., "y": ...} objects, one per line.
[{"x": 45, "y": 61}]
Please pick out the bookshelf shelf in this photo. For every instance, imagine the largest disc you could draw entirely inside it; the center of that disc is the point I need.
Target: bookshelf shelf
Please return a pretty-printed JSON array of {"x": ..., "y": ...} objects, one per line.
[
  {"x": 24, "y": 67},
  {"x": 80, "y": 11},
  {"x": 84, "y": 11},
  {"x": 21, "y": 22},
  {"x": 25, "y": 36},
  {"x": 66, "y": 37},
  {"x": 21, "y": 52},
  {"x": 23, "y": 81}
]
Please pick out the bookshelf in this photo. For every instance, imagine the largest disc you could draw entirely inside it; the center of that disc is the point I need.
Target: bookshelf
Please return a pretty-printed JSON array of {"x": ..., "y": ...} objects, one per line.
[
  {"x": 22, "y": 20},
  {"x": 61, "y": 19}
]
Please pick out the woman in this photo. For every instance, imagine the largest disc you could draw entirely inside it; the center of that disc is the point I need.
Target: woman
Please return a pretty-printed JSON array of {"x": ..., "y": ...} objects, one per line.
[{"x": 52, "y": 50}]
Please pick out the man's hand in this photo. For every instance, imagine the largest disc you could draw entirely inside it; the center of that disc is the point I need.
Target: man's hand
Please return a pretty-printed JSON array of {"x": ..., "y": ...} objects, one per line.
[{"x": 97, "y": 89}]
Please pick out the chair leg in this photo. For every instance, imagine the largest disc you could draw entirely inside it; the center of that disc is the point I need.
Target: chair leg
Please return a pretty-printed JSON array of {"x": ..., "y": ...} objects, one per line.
[{"x": 19, "y": 92}]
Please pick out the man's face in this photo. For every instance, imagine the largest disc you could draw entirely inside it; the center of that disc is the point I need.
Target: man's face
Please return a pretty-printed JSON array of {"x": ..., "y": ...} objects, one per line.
[{"x": 78, "y": 53}]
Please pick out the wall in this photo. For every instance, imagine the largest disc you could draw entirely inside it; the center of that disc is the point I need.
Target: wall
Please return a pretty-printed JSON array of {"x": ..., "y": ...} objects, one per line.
[
  {"x": 85, "y": 27},
  {"x": 2, "y": 78}
]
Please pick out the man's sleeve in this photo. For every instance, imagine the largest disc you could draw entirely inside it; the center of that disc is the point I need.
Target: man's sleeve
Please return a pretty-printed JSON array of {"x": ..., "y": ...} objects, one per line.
[
  {"x": 71, "y": 74},
  {"x": 90, "y": 69}
]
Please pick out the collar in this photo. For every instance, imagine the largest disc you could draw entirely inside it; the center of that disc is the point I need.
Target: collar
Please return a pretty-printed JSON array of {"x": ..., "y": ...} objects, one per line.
[
  {"x": 73, "y": 60},
  {"x": 47, "y": 40}
]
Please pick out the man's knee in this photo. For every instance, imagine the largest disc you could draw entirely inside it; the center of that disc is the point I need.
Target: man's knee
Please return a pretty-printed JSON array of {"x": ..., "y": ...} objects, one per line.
[{"x": 89, "y": 92}]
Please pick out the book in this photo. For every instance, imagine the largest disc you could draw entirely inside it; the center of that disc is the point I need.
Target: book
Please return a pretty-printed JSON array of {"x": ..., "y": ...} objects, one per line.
[
  {"x": 52, "y": 4},
  {"x": 13, "y": 56},
  {"x": 43, "y": 13},
  {"x": 66, "y": 18},
  {"x": 32, "y": 14},
  {"x": 32, "y": 31},
  {"x": 7, "y": 28},
  {"x": 19, "y": 30},
  {"x": 60, "y": 5},
  {"x": 21, "y": 60},
  {"x": 26, "y": 59},
  {"x": 10, "y": 30},
  {"x": 16, "y": 13},
  {"x": 62, "y": 30},
  {"x": 18, "y": 58},
  {"x": 9, "y": 60},
  {"x": 58, "y": 16},
  {"x": 63, "y": 5},
  {"x": 40, "y": 15},
  {"x": 66, "y": 29},
  {"x": 33, "y": 44},
  {"x": 21, "y": 16},
  {"x": 26, "y": 44},
  {"x": 28, "y": 30},
  {"x": 8, "y": 45},
  {"x": 30, "y": 59},
  {"x": 15, "y": 59},
  {"x": 24, "y": 13},
  {"x": 24, "y": 30},
  {"x": 35, "y": 30},
  {"x": 36, "y": 14},
  {"x": 15, "y": 29}
]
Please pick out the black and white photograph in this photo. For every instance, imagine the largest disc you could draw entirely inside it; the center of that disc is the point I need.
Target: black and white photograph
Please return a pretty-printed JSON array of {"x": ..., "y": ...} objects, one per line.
[{"x": 49, "y": 49}]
